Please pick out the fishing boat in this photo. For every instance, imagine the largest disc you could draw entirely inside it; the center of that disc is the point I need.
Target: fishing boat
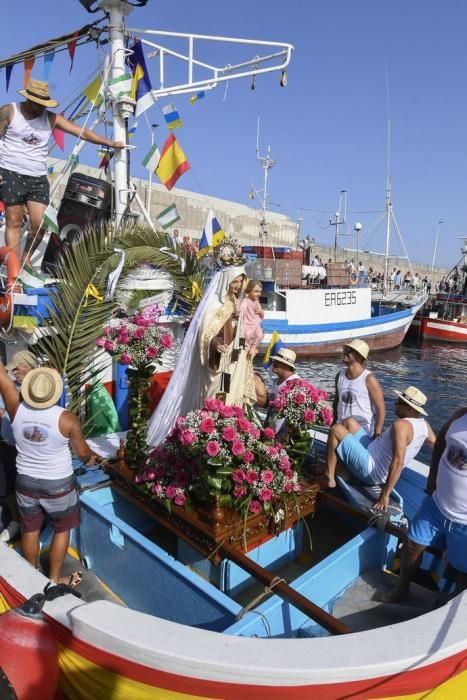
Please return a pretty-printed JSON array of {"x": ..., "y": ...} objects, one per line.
[{"x": 444, "y": 317}]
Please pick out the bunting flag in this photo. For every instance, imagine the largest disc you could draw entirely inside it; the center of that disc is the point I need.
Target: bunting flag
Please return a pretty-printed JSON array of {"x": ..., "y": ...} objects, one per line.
[
  {"x": 74, "y": 162},
  {"x": 168, "y": 217},
  {"x": 141, "y": 90},
  {"x": 274, "y": 344},
  {"x": 50, "y": 219},
  {"x": 28, "y": 65},
  {"x": 132, "y": 131},
  {"x": 212, "y": 235},
  {"x": 172, "y": 163},
  {"x": 48, "y": 60},
  {"x": 50, "y": 170},
  {"x": 152, "y": 158},
  {"x": 71, "y": 49},
  {"x": 121, "y": 86},
  {"x": 93, "y": 91},
  {"x": 106, "y": 157},
  {"x": 197, "y": 96},
  {"x": 171, "y": 116},
  {"x": 8, "y": 70},
  {"x": 59, "y": 137}
]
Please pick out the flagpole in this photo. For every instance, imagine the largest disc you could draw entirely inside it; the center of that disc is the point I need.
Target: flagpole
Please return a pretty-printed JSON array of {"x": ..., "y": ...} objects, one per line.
[
  {"x": 120, "y": 109},
  {"x": 149, "y": 193}
]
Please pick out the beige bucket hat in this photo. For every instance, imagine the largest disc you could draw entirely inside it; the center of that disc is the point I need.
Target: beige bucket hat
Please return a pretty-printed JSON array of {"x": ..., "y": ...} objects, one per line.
[
  {"x": 38, "y": 91},
  {"x": 42, "y": 387},
  {"x": 415, "y": 398},
  {"x": 286, "y": 356}
]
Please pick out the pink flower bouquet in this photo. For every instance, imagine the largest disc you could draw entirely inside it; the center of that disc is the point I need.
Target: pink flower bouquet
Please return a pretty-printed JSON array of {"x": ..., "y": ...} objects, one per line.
[
  {"x": 218, "y": 452},
  {"x": 302, "y": 405}
]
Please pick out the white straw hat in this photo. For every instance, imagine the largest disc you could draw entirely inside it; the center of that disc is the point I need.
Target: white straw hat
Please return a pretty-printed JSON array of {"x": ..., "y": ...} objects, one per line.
[
  {"x": 286, "y": 356},
  {"x": 359, "y": 346},
  {"x": 42, "y": 387},
  {"x": 414, "y": 398}
]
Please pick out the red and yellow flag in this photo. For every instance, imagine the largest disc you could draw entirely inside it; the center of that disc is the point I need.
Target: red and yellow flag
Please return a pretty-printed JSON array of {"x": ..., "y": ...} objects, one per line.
[{"x": 172, "y": 163}]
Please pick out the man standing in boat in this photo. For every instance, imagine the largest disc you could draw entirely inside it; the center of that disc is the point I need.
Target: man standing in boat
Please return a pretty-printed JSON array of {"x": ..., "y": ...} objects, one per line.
[
  {"x": 25, "y": 130},
  {"x": 45, "y": 482},
  {"x": 441, "y": 520},
  {"x": 381, "y": 461},
  {"x": 358, "y": 393}
]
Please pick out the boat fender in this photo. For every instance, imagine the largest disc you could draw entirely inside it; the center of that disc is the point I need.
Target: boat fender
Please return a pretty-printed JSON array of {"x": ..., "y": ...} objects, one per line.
[
  {"x": 29, "y": 657},
  {"x": 353, "y": 278},
  {"x": 10, "y": 258}
]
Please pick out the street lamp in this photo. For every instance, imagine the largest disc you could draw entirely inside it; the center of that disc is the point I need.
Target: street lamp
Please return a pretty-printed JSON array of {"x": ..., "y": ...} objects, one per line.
[{"x": 357, "y": 228}]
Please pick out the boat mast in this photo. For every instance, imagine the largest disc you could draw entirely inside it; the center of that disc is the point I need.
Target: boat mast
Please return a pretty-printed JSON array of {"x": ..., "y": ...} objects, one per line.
[
  {"x": 266, "y": 162},
  {"x": 121, "y": 110}
]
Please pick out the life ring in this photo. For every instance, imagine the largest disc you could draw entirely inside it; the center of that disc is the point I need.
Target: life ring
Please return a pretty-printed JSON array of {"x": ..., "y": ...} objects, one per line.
[
  {"x": 353, "y": 278},
  {"x": 10, "y": 258}
]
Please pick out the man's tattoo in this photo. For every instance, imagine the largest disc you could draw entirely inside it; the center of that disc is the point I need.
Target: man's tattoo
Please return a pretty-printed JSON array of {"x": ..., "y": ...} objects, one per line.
[{"x": 5, "y": 113}]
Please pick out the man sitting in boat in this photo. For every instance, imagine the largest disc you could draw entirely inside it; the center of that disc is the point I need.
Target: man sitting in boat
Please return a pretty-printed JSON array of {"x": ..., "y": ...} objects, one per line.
[
  {"x": 45, "y": 482},
  {"x": 358, "y": 393},
  {"x": 381, "y": 461},
  {"x": 441, "y": 520},
  {"x": 283, "y": 366},
  {"x": 26, "y": 128}
]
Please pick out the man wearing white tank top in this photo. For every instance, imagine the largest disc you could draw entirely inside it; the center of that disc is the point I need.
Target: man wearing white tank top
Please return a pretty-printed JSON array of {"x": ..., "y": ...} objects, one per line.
[
  {"x": 441, "y": 520},
  {"x": 381, "y": 461},
  {"x": 358, "y": 392},
  {"x": 25, "y": 130}
]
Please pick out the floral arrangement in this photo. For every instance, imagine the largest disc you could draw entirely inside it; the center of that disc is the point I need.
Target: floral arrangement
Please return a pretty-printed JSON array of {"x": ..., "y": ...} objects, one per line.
[
  {"x": 218, "y": 454},
  {"x": 138, "y": 340},
  {"x": 302, "y": 405}
]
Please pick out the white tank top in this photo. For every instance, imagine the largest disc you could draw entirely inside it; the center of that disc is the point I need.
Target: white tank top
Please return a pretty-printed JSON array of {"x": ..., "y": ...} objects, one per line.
[
  {"x": 25, "y": 144},
  {"x": 381, "y": 450},
  {"x": 43, "y": 452},
  {"x": 354, "y": 400},
  {"x": 451, "y": 483}
]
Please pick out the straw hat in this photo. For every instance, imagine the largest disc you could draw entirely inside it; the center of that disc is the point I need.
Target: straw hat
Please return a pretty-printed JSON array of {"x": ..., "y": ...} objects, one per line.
[
  {"x": 42, "y": 387},
  {"x": 286, "y": 356},
  {"x": 414, "y": 398},
  {"x": 23, "y": 357},
  {"x": 359, "y": 346},
  {"x": 38, "y": 91}
]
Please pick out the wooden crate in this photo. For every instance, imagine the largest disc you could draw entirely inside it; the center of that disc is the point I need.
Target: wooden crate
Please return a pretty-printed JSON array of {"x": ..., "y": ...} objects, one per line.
[{"x": 288, "y": 273}]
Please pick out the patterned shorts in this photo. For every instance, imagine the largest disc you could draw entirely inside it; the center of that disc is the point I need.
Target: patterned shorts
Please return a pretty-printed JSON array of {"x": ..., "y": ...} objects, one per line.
[
  {"x": 55, "y": 498},
  {"x": 19, "y": 189}
]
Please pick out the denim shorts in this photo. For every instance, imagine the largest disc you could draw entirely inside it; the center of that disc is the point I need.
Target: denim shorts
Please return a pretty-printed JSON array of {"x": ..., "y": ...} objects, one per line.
[
  {"x": 430, "y": 527},
  {"x": 19, "y": 189},
  {"x": 352, "y": 451}
]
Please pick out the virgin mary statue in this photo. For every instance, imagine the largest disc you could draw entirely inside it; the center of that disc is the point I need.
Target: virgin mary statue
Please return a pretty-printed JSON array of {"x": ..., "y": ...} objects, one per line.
[{"x": 213, "y": 360}]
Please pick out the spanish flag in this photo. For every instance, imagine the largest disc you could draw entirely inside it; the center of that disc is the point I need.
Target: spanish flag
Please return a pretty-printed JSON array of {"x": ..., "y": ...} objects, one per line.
[
  {"x": 274, "y": 344},
  {"x": 172, "y": 163}
]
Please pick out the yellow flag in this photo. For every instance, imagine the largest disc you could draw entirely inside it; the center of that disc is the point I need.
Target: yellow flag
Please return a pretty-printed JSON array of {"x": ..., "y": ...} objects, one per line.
[
  {"x": 92, "y": 91},
  {"x": 137, "y": 75}
]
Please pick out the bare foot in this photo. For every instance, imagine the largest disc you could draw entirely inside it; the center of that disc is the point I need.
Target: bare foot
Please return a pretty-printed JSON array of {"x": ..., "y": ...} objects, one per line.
[
  {"x": 326, "y": 482},
  {"x": 72, "y": 580}
]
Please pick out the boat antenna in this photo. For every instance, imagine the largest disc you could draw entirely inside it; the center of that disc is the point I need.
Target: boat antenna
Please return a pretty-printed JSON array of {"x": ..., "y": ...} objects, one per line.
[
  {"x": 435, "y": 248},
  {"x": 266, "y": 163},
  {"x": 389, "y": 213},
  {"x": 338, "y": 220}
]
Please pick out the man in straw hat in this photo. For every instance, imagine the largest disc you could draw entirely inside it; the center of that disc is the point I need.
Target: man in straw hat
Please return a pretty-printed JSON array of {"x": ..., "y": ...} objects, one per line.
[
  {"x": 26, "y": 128},
  {"x": 381, "y": 461},
  {"x": 283, "y": 366},
  {"x": 45, "y": 482},
  {"x": 358, "y": 392},
  {"x": 20, "y": 365},
  {"x": 441, "y": 520}
]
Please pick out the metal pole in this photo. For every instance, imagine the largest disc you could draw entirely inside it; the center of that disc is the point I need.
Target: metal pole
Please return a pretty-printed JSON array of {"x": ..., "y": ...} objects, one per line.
[{"x": 435, "y": 249}]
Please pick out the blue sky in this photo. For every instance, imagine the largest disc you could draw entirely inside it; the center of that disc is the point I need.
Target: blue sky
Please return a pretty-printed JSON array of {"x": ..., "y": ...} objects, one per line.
[{"x": 327, "y": 128}]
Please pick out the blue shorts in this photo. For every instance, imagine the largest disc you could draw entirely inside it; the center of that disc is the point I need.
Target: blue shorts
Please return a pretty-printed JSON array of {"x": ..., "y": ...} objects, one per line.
[
  {"x": 352, "y": 451},
  {"x": 430, "y": 527}
]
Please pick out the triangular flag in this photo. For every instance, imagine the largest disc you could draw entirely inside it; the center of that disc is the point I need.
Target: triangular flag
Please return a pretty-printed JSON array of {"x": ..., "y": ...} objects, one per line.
[
  {"x": 50, "y": 219},
  {"x": 168, "y": 217},
  {"x": 59, "y": 137},
  {"x": 48, "y": 60},
  {"x": 8, "y": 70},
  {"x": 28, "y": 64},
  {"x": 172, "y": 163},
  {"x": 93, "y": 91},
  {"x": 171, "y": 116},
  {"x": 71, "y": 48},
  {"x": 196, "y": 97}
]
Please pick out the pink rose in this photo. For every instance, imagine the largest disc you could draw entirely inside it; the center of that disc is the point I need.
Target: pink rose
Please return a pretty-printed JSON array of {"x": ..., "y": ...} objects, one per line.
[
  {"x": 229, "y": 433},
  {"x": 149, "y": 475},
  {"x": 297, "y": 487},
  {"x": 300, "y": 398},
  {"x": 126, "y": 358},
  {"x": 166, "y": 341},
  {"x": 248, "y": 457},
  {"x": 109, "y": 345},
  {"x": 180, "y": 499},
  {"x": 100, "y": 342},
  {"x": 327, "y": 416},
  {"x": 284, "y": 463},
  {"x": 151, "y": 352},
  {"x": 213, "y": 448},
  {"x": 269, "y": 433},
  {"x": 287, "y": 487},
  {"x": 138, "y": 333},
  {"x": 238, "y": 475},
  {"x": 309, "y": 416},
  {"x": 267, "y": 476},
  {"x": 179, "y": 421},
  {"x": 239, "y": 491},
  {"x": 265, "y": 494},
  {"x": 255, "y": 432},
  {"x": 238, "y": 448},
  {"x": 238, "y": 411},
  {"x": 251, "y": 476},
  {"x": 171, "y": 491},
  {"x": 207, "y": 426},
  {"x": 271, "y": 451},
  {"x": 226, "y": 411},
  {"x": 244, "y": 424},
  {"x": 212, "y": 404},
  {"x": 255, "y": 507},
  {"x": 157, "y": 489},
  {"x": 187, "y": 437}
]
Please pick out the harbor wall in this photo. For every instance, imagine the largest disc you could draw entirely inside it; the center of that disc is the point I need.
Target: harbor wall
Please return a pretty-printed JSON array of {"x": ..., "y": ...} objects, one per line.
[{"x": 238, "y": 221}]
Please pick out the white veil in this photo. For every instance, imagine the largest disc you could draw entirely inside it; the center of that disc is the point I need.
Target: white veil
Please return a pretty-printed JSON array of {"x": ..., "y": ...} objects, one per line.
[{"x": 183, "y": 391}]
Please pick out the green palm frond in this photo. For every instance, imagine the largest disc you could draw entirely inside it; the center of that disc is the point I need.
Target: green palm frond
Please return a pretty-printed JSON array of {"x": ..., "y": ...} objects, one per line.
[{"x": 77, "y": 317}]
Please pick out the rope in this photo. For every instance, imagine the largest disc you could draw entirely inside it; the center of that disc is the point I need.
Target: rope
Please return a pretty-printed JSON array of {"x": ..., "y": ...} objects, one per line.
[{"x": 259, "y": 598}]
